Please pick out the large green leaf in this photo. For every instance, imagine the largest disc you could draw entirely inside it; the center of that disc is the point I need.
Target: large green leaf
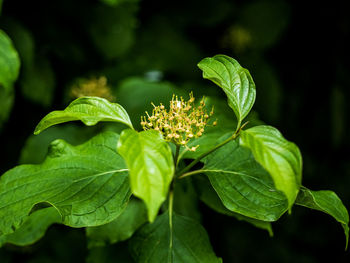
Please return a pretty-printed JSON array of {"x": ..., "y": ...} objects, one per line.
[
  {"x": 33, "y": 228},
  {"x": 208, "y": 195},
  {"x": 327, "y": 202},
  {"x": 87, "y": 184},
  {"x": 235, "y": 81},
  {"x": 150, "y": 162},
  {"x": 89, "y": 110},
  {"x": 242, "y": 184},
  {"x": 119, "y": 229},
  {"x": 178, "y": 240},
  {"x": 9, "y": 62},
  {"x": 281, "y": 158}
]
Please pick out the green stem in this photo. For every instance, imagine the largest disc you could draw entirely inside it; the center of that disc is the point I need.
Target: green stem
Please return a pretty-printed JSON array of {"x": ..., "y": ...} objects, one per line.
[
  {"x": 176, "y": 157},
  {"x": 171, "y": 201},
  {"x": 190, "y": 173},
  {"x": 194, "y": 162}
]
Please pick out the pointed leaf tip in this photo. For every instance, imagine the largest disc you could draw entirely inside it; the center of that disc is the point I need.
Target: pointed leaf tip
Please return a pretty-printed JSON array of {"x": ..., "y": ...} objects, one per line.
[
  {"x": 89, "y": 110},
  {"x": 235, "y": 81},
  {"x": 150, "y": 162}
]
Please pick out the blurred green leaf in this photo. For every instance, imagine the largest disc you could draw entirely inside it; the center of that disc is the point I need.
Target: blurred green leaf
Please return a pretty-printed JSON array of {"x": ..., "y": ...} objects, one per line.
[
  {"x": 208, "y": 195},
  {"x": 88, "y": 184},
  {"x": 33, "y": 228},
  {"x": 9, "y": 69},
  {"x": 113, "y": 32},
  {"x": 38, "y": 82},
  {"x": 265, "y": 21},
  {"x": 243, "y": 186},
  {"x": 281, "y": 158},
  {"x": 235, "y": 81},
  {"x": 9, "y": 62},
  {"x": 180, "y": 239},
  {"x": 89, "y": 110},
  {"x": 110, "y": 254},
  {"x": 117, "y": 2},
  {"x": 327, "y": 202},
  {"x": 36, "y": 147},
  {"x": 144, "y": 92},
  {"x": 121, "y": 228},
  {"x": 6, "y": 103},
  {"x": 151, "y": 166}
]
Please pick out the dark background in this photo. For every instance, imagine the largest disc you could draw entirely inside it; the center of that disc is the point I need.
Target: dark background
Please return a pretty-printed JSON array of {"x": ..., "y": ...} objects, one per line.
[{"x": 296, "y": 51}]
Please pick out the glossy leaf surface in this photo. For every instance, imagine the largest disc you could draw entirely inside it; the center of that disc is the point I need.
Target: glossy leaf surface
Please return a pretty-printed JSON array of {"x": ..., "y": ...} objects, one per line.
[
  {"x": 88, "y": 184},
  {"x": 242, "y": 184},
  {"x": 208, "y": 195},
  {"x": 89, "y": 110},
  {"x": 327, "y": 202},
  {"x": 235, "y": 81},
  {"x": 150, "y": 162},
  {"x": 281, "y": 158},
  {"x": 184, "y": 240}
]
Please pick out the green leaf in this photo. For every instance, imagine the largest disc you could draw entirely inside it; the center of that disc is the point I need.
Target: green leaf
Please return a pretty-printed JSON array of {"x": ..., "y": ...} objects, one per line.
[
  {"x": 9, "y": 62},
  {"x": 121, "y": 228},
  {"x": 281, "y": 158},
  {"x": 179, "y": 240},
  {"x": 89, "y": 110},
  {"x": 35, "y": 148},
  {"x": 327, "y": 202},
  {"x": 235, "y": 81},
  {"x": 88, "y": 184},
  {"x": 9, "y": 70},
  {"x": 208, "y": 195},
  {"x": 33, "y": 228},
  {"x": 6, "y": 103},
  {"x": 38, "y": 82},
  {"x": 150, "y": 162},
  {"x": 242, "y": 184}
]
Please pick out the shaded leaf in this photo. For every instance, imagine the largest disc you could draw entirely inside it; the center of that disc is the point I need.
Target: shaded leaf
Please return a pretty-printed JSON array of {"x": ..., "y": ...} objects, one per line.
[
  {"x": 242, "y": 184},
  {"x": 281, "y": 158},
  {"x": 9, "y": 62},
  {"x": 151, "y": 166},
  {"x": 88, "y": 184},
  {"x": 35, "y": 148},
  {"x": 89, "y": 110},
  {"x": 208, "y": 195},
  {"x": 121, "y": 228},
  {"x": 181, "y": 240},
  {"x": 9, "y": 69},
  {"x": 117, "y": 253},
  {"x": 33, "y": 228},
  {"x": 38, "y": 82},
  {"x": 235, "y": 81},
  {"x": 327, "y": 202}
]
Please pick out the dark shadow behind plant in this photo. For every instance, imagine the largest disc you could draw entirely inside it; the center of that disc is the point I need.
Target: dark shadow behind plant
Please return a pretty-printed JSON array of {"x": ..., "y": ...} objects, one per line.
[{"x": 126, "y": 186}]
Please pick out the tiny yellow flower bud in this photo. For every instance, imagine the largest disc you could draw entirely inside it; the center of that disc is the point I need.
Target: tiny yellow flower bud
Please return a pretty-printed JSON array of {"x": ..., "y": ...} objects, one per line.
[{"x": 190, "y": 135}]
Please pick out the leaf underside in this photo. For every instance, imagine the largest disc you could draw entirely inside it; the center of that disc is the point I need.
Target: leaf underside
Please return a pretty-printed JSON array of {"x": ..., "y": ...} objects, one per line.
[{"x": 89, "y": 110}]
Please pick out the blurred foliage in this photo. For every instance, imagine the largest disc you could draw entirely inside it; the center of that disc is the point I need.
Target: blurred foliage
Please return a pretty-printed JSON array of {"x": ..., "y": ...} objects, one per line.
[{"x": 147, "y": 50}]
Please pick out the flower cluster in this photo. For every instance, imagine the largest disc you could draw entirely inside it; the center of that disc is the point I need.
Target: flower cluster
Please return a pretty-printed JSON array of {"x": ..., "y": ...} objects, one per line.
[
  {"x": 183, "y": 122},
  {"x": 92, "y": 87}
]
